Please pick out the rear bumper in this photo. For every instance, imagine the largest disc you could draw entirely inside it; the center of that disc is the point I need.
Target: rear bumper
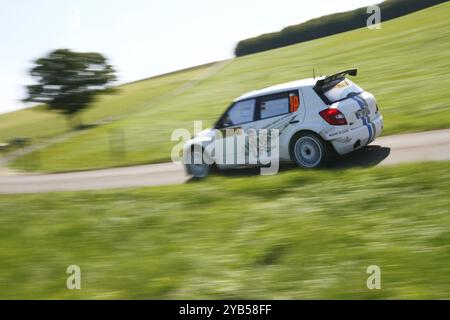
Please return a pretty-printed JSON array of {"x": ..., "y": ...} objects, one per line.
[{"x": 359, "y": 137}]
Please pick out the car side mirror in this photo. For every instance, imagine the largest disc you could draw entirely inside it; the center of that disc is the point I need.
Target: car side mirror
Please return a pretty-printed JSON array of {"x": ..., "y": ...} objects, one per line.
[
  {"x": 220, "y": 124},
  {"x": 353, "y": 72}
]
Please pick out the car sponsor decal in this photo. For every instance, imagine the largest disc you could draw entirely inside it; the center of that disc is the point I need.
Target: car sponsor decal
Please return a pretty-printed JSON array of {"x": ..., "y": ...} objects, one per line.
[
  {"x": 294, "y": 102},
  {"x": 281, "y": 124},
  {"x": 365, "y": 117}
]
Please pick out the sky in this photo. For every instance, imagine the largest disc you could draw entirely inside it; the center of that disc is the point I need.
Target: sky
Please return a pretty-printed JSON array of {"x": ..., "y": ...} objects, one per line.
[{"x": 141, "y": 38}]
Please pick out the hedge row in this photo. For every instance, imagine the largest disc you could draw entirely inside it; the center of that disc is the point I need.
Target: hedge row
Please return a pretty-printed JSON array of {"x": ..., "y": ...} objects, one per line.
[{"x": 329, "y": 25}]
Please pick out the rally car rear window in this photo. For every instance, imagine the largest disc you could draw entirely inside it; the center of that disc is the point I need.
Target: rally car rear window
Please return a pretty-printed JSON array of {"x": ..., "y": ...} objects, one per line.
[{"x": 340, "y": 89}]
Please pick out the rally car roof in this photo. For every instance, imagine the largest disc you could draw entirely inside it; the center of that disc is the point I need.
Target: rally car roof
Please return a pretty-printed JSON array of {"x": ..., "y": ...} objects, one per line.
[{"x": 310, "y": 82}]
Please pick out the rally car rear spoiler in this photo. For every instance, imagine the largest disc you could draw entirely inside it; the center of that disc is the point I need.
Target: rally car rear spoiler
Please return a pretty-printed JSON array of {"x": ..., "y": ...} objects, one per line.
[{"x": 323, "y": 82}]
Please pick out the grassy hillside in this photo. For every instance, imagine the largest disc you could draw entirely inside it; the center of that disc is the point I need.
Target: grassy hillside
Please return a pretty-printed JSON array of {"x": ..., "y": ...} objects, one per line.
[
  {"x": 37, "y": 123},
  {"x": 329, "y": 25},
  {"x": 405, "y": 64},
  {"x": 289, "y": 236}
]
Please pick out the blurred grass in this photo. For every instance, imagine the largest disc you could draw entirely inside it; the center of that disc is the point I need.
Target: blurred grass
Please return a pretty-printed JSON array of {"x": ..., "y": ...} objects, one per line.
[
  {"x": 297, "y": 235},
  {"x": 405, "y": 64},
  {"x": 38, "y": 123}
]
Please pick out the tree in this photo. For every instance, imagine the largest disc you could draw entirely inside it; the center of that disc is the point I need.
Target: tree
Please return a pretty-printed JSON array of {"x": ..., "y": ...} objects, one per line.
[{"x": 67, "y": 81}]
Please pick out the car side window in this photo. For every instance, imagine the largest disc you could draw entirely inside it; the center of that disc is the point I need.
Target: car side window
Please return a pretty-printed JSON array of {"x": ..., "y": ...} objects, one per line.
[
  {"x": 240, "y": 112},
  {"x": 278, "y": 104}
]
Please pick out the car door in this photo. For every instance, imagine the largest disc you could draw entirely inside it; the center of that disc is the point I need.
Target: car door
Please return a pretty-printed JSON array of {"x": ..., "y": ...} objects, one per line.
[
  {"x": 233, "y": 126},
  {"x": 275, "y": 111}
]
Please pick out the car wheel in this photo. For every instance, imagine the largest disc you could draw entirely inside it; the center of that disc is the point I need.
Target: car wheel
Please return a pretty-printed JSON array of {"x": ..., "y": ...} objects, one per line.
[
  {"x": 198, "y": 168},
  {"x": 309, "y": 151}
]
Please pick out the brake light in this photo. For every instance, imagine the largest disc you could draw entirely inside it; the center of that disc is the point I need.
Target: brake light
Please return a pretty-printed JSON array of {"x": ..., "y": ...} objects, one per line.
[{"x": 333, "y": 117}]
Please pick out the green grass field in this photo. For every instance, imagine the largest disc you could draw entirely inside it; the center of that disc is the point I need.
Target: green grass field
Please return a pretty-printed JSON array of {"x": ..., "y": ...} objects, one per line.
[
  {"x": 39, "y": 124},
  {"x": 405, "y": 64},
  {"x": 300, "y": 234}
]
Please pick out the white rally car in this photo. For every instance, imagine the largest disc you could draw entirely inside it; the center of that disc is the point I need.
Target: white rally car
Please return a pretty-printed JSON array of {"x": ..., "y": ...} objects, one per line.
[{"x": 314, "y": 117}]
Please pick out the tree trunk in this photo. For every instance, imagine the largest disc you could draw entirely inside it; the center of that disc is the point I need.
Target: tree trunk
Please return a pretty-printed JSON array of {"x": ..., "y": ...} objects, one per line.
[{"x": 74, "y": 121}]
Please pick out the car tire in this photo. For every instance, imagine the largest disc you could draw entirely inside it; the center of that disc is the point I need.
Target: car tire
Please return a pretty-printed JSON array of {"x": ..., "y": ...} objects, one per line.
[
  {"x": 199, "y": 170},
  {"x": 308, "y": 150}
]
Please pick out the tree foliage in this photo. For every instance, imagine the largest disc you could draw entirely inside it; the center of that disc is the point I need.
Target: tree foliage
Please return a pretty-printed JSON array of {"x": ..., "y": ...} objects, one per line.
[
  {"x": 329, "y": 25},
  {"x": 67, "y": 81}
]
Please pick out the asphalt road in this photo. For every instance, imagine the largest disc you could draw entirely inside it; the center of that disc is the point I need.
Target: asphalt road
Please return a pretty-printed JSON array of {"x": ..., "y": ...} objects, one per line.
[{"x": 415, "y": 147}]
